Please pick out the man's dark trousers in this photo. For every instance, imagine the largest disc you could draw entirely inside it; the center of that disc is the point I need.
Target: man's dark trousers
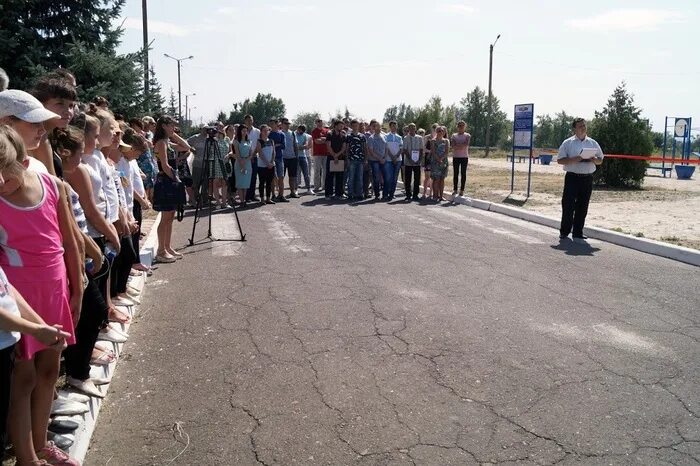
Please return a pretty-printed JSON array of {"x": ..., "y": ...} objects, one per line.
[
  {"x": 574, "y": 203},
  {"x": 412, "y": 172}
]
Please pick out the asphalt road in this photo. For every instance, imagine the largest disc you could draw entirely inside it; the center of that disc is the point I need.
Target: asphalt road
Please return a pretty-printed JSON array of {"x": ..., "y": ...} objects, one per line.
[{"x": 406, "y": 334}]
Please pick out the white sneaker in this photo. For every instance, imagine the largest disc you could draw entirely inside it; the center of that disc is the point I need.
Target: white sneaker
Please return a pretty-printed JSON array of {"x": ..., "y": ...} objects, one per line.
[
  {"x": 100, "y": 380},
  {"x": 72, "y": 396},
  {"x": 112, "y": 335},
  {"x": 68, "y": 408},
  {"x": 86, "y": 386}
]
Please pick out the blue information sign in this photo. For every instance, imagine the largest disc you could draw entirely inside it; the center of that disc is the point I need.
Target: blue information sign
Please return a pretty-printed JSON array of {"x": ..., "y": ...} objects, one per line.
[{"x": 523, "y": 126}]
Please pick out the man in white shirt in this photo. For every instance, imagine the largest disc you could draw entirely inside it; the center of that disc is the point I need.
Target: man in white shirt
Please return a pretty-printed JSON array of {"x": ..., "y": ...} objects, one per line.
[{"x": 578, "y": 184}]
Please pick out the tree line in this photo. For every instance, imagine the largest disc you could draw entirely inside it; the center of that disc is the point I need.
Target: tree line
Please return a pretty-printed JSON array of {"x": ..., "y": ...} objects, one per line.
[{"x": 38, "y": 36}]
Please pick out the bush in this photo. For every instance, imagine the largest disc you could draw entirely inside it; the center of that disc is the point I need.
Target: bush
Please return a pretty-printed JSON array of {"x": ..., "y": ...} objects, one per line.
[
  {"x": 619, "y": 129},
  {"x": 623, "y": 173}
]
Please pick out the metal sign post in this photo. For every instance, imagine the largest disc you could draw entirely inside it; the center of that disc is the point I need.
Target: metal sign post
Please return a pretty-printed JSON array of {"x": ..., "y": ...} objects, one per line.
[{"x": 522, "y": 139}]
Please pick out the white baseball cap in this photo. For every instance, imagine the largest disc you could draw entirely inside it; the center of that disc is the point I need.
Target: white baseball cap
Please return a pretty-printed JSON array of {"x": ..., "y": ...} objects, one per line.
[{"x": 24, "y": 106}]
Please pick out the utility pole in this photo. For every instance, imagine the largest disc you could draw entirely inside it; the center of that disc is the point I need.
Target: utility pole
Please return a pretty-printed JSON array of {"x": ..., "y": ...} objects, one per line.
[
  {"x": 179, "y": 85},
  {"x": 146, "y": 89},
  {"x": 187, "y": 113},
  {"x": 490, "y": 99}
]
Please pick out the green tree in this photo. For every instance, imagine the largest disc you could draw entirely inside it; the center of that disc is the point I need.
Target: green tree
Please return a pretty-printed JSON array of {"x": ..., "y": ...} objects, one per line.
[
  {"x": 38, "y": 36},
  {"x": 307, "y": 119},
  {"x": 155, "y": 101},
  {"x": 171, "y": 109},
  {"x": 37, "y": 33},
  {"x": 474, "y": 109},
  {"x": 619, "y": 129},
  {"x": 402, "y": 114},
  {"x": 544, "y": 131},
  {"x": 263, "y": 108},
  {"x": 561, "y": 129}
]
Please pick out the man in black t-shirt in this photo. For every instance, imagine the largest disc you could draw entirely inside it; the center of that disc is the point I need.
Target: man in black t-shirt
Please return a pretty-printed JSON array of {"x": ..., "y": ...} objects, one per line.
[{"x": 335, "y": 163}]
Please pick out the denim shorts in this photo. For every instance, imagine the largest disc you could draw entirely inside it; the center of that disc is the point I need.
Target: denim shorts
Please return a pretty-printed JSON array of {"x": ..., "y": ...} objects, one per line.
[{"x": 279, "y": 167}]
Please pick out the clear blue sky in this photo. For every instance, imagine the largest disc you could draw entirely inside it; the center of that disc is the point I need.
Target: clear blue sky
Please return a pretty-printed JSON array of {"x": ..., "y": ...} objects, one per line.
[{"x": 368, "y": 55}]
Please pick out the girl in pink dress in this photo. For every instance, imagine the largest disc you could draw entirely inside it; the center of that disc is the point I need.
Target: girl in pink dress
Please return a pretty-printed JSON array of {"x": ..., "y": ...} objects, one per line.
[{"x": 34, "y": 220}]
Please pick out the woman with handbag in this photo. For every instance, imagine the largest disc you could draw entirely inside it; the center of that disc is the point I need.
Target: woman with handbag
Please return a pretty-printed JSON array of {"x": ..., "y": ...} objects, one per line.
[{"x": 168, "y": 192}]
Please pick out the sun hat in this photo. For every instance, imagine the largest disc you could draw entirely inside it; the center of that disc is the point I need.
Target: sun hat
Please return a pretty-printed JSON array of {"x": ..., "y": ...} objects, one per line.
[{"x": 24, "y": 106}]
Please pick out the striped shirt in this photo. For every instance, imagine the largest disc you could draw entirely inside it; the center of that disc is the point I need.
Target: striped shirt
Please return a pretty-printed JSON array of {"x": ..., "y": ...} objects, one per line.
[{"x": 78, "y": 212}]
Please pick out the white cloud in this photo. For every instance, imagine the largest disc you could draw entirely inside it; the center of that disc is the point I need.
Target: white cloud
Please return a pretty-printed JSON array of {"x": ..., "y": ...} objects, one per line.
[
  {"x": 228, "y": 11},
  {"x": 632, "y": 19},
  {"x": 291, "y": 8},
  {"x": 157, "y": 27},
  {"x": 457, "y": 8}
]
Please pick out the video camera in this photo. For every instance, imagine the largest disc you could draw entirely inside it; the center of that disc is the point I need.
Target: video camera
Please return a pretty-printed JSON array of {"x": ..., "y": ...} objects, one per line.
[{"x": 212, "y": 131}]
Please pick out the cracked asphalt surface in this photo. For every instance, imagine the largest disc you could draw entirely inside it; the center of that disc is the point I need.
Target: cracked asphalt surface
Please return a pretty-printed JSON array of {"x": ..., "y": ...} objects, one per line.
[{"x": 406, "y": 334}]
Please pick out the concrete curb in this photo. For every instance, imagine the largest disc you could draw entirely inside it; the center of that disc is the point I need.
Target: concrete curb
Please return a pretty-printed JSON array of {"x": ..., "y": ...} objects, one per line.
[
  {"x": 83, "y": 434},
  {"x": 649, "y": 246}
]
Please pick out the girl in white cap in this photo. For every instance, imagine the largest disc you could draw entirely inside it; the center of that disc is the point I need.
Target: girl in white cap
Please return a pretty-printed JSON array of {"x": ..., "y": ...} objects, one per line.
[{"x": 34, "y": 211}]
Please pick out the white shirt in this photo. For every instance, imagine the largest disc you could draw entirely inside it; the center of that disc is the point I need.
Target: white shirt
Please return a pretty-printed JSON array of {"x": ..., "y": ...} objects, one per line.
[
  {"x": 8, "y": 303},
  {"x": 253, "y": 136},
  {"x": 572, "y": 147},
  {"x": 124, "y": 170},
  {"x": 98, "y": 197},
  {"x": 136, "y": 180},
  {"x": 36, "y": 166},
  {"x": 98, "y": 163}
]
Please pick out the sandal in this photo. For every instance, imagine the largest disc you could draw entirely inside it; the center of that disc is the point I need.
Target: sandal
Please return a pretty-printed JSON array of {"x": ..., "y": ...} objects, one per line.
[
  {"x": 120, "y": 317},
  {"x": 104, "y": 359}
]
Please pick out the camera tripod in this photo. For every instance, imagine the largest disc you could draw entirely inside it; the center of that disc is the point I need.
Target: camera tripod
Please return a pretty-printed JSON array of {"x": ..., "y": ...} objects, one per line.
[{"x": 212, "y": 154}]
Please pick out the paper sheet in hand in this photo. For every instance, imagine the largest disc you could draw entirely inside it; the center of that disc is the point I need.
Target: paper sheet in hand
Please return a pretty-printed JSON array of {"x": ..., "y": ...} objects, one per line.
[
  {"x": 587, "y": 154},
  {"x": 393, "y": 147},
  {"x": 415, "y": 156},
  {"x": 337, "y": 166}
]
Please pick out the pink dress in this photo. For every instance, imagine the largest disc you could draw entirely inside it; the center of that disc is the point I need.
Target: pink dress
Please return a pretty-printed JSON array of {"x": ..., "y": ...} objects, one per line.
[{"x": 31, "y": 253}]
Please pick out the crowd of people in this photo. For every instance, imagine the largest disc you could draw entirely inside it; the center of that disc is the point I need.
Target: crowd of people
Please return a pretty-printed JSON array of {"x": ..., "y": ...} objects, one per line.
[
  {"x": 349, "y": 159},
  {"x": 74, "y": 180}
]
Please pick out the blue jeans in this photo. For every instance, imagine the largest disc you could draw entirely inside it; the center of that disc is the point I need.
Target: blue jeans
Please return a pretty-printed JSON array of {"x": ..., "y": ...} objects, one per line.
[
  {"x": 377, "y": 169},
  {"x": 303, "y": 170},
  {"x": 279, "y": 167},
  {"x": 391, "y": 176},
  {"x": 355, "y": 169}
]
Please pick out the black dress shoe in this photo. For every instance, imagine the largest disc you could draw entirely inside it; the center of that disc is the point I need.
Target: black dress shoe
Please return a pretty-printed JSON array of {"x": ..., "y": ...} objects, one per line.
[{"x": 63, "y": 426}]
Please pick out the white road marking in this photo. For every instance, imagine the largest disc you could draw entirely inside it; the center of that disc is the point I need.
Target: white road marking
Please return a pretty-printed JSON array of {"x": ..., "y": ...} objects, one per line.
[
  {"x": 284, "y": 234},
  {"x": 603, "y": 333},
  {"x": 223, "y": 227},
  {"x": 499, "y": 231}
]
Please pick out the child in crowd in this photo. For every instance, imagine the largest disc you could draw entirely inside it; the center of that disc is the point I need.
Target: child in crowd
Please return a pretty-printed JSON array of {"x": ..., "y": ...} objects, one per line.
[
  {"x": 33, "y": 210},
  {"x": 17, "y": 318}
]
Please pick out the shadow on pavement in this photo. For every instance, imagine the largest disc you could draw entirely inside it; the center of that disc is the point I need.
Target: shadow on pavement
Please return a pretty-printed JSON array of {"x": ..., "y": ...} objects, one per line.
[{"x": 575, "y": 249}]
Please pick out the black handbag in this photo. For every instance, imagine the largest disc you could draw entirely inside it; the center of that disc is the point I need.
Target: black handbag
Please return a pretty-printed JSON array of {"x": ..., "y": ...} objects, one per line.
[{"x": 168, "y": 193}]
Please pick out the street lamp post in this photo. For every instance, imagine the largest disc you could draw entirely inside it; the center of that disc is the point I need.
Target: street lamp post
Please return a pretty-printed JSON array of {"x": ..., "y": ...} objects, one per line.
[
  {"x": 187, "y": 113},
  {"x": 490, "y": 98},
  {"x": 179, "y": 87}
]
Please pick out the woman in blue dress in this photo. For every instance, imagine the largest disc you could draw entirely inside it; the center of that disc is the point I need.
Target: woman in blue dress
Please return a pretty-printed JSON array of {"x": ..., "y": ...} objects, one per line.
[
  {"x": 242, "y": 166},
  {"x": 439, "y": 148}
]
